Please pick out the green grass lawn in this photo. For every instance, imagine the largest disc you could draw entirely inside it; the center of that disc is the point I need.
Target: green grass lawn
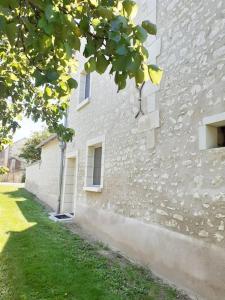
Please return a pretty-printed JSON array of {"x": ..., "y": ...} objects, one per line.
[{"x": 40, "y": 259}]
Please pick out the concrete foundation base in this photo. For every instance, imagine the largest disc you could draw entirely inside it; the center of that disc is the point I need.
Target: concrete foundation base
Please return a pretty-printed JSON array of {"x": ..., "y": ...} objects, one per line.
[{"x": 192, "y": 265}]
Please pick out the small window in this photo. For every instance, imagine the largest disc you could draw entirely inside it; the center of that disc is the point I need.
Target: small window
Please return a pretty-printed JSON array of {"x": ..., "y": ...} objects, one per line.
[
  {"x": 212, "y": 133},
  {"x": 85, "y": 87},
  {"x": 221, "y": 136},
  {"x": 94, "y": 165},
  {"x": 97, "y": 166}
]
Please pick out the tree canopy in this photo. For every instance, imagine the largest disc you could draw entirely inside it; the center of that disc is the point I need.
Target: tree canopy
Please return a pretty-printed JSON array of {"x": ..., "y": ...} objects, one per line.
[
  {"x": 30, "y": 153},
  {"x": 39, "y": 43}
]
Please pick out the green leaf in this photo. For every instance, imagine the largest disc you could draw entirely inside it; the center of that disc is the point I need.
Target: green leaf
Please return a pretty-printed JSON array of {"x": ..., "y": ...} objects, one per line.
[
  {"x": 144, "y": 52},
  {"x": 14, "y": 3},
  {"x": 90, "y": 66},
  {"x": 94, "y": 2},
  {"x": 131, "y": 8},
  {"x": 115, "y": 36},
  {"x": 122, "y": 50},
  {"x": 52, "y": 75},
  {"x": 95, "y": 22},
  {"x": 69, "y": 50},
  {"x": 105, "y": 12},
  {"x": 75, "y": 42},
  {"x": 119, "y": 22},
  {"x": 84, "y": 24},
  {"x": 102, "y": 64},
  {"x": 120, "y": 80},
  {"x": 155, "y": 74},
  {"x": 39, "y": 78},
  {"x": 45, "y": 42},
  {"x": 141, "y": 34},
  {"x": 11, "y": 32},
  {"x": 72, "y": 83},
  {"x": 120, "y": 63},
  {"x": 139, "y": 76},
  {"x": 43, "y": 24},
  {"x": 13, "y": 77},
  {"x": 48, "y": 91},
  {"x": 63, "y": 85},
  {"x": 149, "y": 27},
  {"x": 134, "y": 62},
  {"x": 11, "y": 3},
  {"x": 2, "y": 23},
  {"x": 49, "y": 12},
  {"x": 90, "y": 48}
]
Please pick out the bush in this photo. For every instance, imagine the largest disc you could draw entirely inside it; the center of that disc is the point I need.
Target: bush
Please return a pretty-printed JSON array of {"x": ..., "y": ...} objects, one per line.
[
  {"x": 30, "y": 152},
  {"x": 3, "y": 170}
]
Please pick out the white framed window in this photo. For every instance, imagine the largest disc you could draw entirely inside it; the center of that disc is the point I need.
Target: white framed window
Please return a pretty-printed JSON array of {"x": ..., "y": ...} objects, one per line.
[
  {"x": 97, "y": 166},
  {"x": 85, "y": 90},
  {"x": 94, "y": 165},
  {"x": 212, "y": 133}
]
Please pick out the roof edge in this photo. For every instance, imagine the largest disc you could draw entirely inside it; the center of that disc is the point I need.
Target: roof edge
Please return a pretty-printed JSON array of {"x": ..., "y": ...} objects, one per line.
[{"x": 46, "y": 141}]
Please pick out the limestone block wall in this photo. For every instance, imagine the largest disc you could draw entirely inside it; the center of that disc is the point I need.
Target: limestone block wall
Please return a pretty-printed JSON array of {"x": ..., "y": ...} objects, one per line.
[
  {"x": 158, "y": 184},
  {"x": 42, "y": 178},
  {"x": 191, "y": 189}
]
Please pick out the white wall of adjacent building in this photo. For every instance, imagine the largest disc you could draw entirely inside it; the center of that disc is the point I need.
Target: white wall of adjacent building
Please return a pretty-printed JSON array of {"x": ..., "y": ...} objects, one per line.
[{"x": 42, "y": 178}]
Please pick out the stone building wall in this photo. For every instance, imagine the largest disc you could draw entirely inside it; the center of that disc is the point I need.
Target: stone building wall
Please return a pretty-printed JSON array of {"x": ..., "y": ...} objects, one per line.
[
  {"x": 163, "y": 199},
  {"x": 191, "y": 182}
]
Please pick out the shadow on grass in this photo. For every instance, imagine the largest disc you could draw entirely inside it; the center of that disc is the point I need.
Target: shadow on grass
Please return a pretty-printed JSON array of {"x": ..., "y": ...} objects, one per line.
[
  {"x": 46, "y": 261},
  {"x": 18, "y": 193}
]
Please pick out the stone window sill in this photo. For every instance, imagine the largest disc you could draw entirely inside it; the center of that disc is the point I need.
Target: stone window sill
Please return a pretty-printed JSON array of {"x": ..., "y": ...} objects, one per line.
[
  {"x": 95, "y": 189},
  {"x": 83, "y": 103}
]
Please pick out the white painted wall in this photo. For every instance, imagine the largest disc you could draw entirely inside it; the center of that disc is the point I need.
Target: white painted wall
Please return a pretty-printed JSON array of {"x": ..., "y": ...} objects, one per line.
[{"x": 42, "y": 178}]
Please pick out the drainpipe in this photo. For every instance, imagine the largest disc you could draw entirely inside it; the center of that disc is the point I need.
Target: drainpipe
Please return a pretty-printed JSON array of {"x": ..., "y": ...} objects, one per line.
[{"x": 62, "y": 146}]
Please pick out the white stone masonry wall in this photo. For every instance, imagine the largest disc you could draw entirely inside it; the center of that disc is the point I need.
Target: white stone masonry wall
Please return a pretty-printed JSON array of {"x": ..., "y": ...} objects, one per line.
[{"x": 154, "y": 171}]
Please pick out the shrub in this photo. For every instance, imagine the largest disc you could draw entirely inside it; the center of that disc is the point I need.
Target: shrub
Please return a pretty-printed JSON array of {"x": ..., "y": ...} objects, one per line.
[{"x": 3, "y": 170}]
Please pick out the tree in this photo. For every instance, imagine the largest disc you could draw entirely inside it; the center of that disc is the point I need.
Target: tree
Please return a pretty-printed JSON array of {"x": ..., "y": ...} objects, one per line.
[
  {"x": 3, "y": 170},
  {"x": 39, "y": 43},
  {"x": 30, "y": 152}
]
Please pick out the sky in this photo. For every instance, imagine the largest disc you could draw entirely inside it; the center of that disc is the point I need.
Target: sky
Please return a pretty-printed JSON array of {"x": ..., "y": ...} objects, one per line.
[{"x": 27, "y": 128}]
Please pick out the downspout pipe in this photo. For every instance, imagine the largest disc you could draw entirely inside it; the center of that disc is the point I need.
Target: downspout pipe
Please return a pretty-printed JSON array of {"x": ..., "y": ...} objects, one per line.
[{"x": 62, "y": 146}]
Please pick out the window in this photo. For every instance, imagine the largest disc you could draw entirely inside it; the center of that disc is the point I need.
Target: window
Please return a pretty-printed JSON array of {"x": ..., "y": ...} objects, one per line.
[
  {"x": 94, "y": 165},
  {"x": 212, "y": 133},
  {"x": 221, "y": 136},
  {"x": 85, "y": 90},
  {"x": 87, "y": 86},
  {"x": 97, "y": 166}
]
